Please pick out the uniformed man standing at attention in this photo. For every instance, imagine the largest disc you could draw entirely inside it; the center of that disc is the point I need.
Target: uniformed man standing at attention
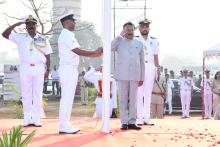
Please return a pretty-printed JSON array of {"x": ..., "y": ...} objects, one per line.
[
  {"x": 69, "y": 52},
  {"x": 169, "y": 87},
  {"x": 34, "y": 54},
  {"x": 83, "y": 88},
  {"x": 207, "y": 94},
  {"x": 151, "y": 49},
  {"x": 186, "y": 86}
]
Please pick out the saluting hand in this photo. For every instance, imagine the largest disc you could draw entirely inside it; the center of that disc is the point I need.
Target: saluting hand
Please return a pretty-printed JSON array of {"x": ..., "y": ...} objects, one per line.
[
  {"x": 123, "y": 33},
  {"x": 19, "y": 23}
]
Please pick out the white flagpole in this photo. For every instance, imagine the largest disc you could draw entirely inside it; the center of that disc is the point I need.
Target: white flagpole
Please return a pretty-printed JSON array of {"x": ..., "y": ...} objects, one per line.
[{"x": 106, "y": 63}]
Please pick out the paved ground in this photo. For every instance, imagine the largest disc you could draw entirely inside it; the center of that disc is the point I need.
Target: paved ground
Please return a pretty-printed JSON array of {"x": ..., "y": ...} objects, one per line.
[{"x": 169, "y": 132}]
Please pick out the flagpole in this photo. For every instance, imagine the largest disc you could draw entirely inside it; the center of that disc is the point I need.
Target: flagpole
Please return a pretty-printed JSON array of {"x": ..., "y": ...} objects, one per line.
[{"x": 106, "y": 63}]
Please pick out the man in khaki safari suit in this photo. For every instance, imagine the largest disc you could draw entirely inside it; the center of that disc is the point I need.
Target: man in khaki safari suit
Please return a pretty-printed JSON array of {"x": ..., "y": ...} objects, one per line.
[{"x": 158, "y": 98}]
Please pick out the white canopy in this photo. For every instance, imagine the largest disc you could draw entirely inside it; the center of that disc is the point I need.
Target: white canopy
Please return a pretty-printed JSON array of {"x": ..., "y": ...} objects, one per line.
[{"x": 213, "y": 51}]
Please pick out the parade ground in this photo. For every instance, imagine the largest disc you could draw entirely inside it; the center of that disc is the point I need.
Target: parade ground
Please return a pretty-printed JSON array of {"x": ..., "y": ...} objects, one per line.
[
  {"x": 172, "y": 131},
  {"x": 169, "y": 132}
]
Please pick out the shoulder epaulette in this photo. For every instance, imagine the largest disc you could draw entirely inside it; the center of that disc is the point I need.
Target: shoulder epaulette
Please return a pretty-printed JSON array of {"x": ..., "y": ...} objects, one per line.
[
  {"x": 153, "y": 37},
  {"x": 42, "y": 36}
]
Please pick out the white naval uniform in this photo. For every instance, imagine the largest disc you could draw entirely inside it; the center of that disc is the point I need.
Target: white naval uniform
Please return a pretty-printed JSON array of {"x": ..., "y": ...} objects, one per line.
[
  {"x": 169, "y": 87},
  {"x": 151, "y": 48},
  {"x": 93, "y": 77},
  {"x": 68, "y": 73},
  {"x": 207, "y": 97},
  {"x": 32, "y": 69},
  {"x": 186, "y": 85}
]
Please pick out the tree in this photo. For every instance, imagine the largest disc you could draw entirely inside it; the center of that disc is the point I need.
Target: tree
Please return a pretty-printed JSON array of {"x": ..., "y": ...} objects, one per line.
[
  {"x": 41, "y": 10},
  {"x": 52, "y": 28},
  {"x": 2, "y": 1}
]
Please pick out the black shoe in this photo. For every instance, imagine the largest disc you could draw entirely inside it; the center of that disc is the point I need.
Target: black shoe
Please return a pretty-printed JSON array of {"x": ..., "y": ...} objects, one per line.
[
  {"x": 36, "y": 125},
  {"x": 134, "y": 127},
  {"x": 69, "y": 132},
  {"x": 28, "y": 125},
  {"x": 124, "y": 127},
  {"x": 149, "y": 124},
  {"x": 113, "y": 114}
]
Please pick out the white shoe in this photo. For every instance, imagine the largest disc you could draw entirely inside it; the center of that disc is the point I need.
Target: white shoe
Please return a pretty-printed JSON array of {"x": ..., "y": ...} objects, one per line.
[
  {"x": 27, "y": 123},
  {"x": 148, "y": 122},
  {"x": 37, "y": 124},
  {"x": 139, "y": 122},
  {"x": 69, "y": 131}
]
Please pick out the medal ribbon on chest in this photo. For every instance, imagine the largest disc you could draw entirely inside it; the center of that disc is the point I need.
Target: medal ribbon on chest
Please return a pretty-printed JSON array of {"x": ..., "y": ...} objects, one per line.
[
  {"x": 145, "y": 50},
  {"x": 39, "y": 42}
]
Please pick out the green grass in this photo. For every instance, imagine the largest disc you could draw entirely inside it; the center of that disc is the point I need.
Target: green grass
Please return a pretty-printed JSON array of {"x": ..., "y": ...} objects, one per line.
[{"x": 15, "y": 138}]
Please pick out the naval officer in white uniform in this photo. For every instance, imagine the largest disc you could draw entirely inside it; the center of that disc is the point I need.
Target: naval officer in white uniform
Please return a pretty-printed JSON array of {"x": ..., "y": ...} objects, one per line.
[
  {"x": 207, "y": 94},
  {"x": 69, "y": 52},
  {"x": 151, "y": 50},
  {"x": 34, "y": 54},
  {"x": 186, "y": 86}
]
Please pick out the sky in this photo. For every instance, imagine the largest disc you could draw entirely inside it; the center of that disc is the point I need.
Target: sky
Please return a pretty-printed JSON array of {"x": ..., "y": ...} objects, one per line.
[{"x": 184, "y": 28}]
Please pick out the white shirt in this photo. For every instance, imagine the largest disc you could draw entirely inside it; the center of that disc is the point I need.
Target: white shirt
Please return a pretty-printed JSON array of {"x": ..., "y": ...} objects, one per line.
[
  {"x": 151, "y": 48},
  {"x": 185, "y": 83},
  {"x": 207, "y": 84},
  {"x": 170, "y": 85},
  {"x": 66, "y": 43},
  {"x": 27, "y": 51},
  {"x": 54, "y": 75}
]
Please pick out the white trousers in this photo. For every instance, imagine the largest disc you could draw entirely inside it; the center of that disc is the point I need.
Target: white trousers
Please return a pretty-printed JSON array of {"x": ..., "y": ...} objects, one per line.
[
  {"x": 208, "y": 103},
  {"x": 31, "y": 81},
  {"x": 68, "y": 80},
  {"x": 185, "y": 101},
  {"x": 99, "y": 107},
  {"x": 145, "y": 92},
  {"x": 169, "y": 101}
]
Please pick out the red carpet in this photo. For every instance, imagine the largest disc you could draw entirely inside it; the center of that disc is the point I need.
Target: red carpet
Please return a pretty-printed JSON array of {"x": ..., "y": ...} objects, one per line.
[{"x": 169, "y": 132}]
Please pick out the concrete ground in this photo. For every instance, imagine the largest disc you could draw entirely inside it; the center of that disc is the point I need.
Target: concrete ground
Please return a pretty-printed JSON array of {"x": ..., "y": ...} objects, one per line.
[{"x": 169, "y": 132}]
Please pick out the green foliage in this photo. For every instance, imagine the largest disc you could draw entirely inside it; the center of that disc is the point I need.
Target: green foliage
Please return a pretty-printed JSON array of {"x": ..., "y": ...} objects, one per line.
[
  {"x": 13, "y": 88},
  {"x": 18, "y": 103},
  {"x": 18, "y": 108},
  {"x": 14, "y": 138},
  {"x": 92, "y": 96}
]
